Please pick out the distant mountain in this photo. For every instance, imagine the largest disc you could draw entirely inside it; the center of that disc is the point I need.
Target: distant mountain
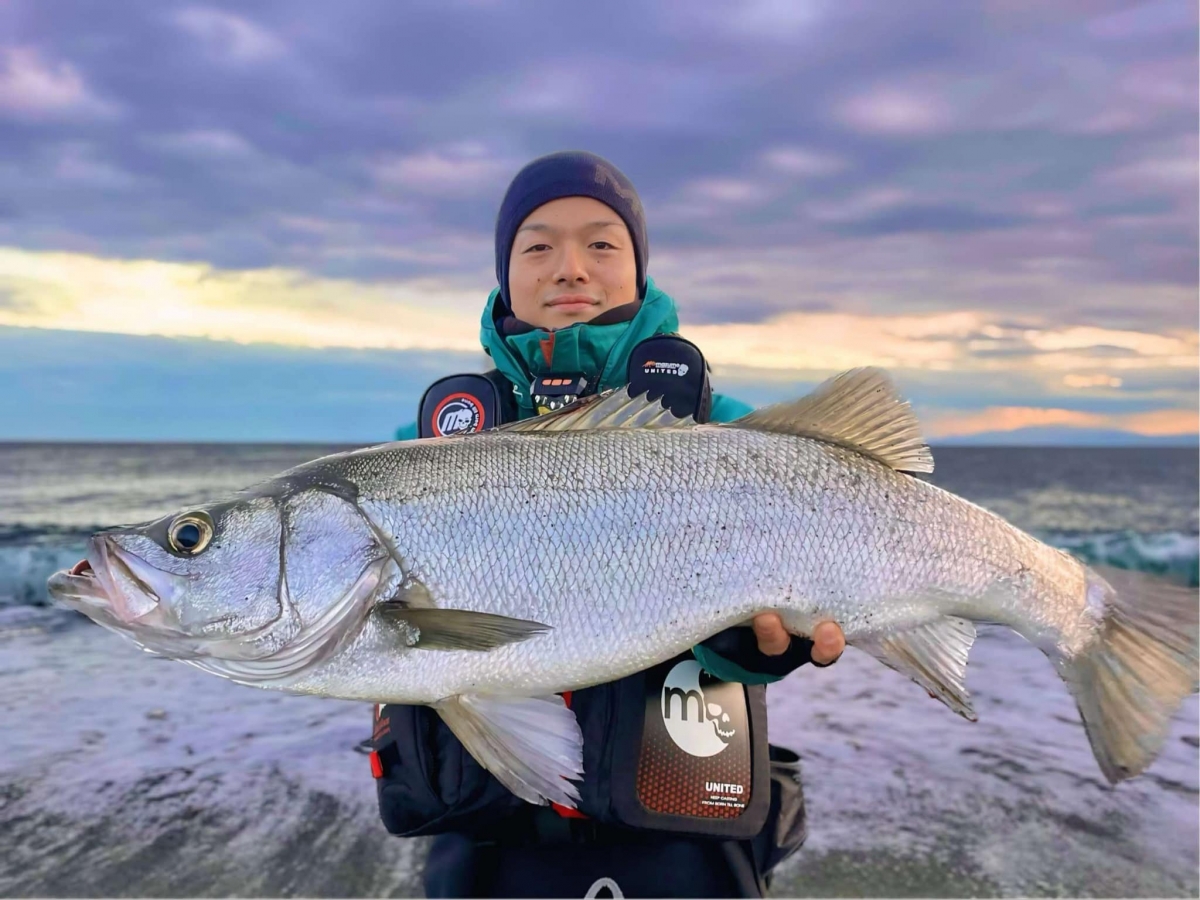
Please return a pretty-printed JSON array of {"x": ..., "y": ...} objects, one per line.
[{"x": 1058, "y": 435}]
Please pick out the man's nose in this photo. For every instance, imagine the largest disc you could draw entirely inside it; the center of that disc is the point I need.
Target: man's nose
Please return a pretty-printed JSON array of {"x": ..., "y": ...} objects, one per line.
[{"x": 571, "y": 266}]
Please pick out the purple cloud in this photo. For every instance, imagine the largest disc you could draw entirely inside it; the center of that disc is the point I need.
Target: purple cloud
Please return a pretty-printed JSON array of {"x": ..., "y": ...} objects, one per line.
[{"x": 1012, "y": 155}]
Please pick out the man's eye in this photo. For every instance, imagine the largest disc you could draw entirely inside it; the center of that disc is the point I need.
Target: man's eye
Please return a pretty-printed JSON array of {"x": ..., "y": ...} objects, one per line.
[
  {"x": 603, "y": 245},
  {"x": 537, "y": 248}
]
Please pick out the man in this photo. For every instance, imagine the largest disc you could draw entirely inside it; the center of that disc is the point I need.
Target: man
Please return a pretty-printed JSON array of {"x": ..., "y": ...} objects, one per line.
[{"x": 574, "y": 297}]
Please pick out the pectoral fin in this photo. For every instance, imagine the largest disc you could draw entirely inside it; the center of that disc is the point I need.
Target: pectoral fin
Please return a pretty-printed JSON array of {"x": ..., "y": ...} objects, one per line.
[
  {"x": 456, "y": 629},
  {"x": 532, "y": 745},
  {"x": 934, "y": 656}
]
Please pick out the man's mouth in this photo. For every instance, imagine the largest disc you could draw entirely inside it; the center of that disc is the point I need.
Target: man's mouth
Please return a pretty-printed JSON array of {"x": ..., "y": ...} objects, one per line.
[{"x": 572, "y": 301}]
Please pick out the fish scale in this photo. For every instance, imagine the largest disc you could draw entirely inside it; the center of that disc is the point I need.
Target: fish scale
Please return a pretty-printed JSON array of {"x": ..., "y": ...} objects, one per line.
[
  {"x": 726, "y": 523},
  {"x": 481, "y": 574}
]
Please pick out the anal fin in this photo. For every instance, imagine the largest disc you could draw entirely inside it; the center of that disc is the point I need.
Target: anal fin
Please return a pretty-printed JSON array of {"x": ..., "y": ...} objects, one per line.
[
  {"x": 532, "y": 745},
  {"x": 933, "y": 655}
]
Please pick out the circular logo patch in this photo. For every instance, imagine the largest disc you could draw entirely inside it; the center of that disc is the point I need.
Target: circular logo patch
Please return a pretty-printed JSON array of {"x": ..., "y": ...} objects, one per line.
[
  {"x": 458, "y": 413},
  {"x": 697, "y": 727}
]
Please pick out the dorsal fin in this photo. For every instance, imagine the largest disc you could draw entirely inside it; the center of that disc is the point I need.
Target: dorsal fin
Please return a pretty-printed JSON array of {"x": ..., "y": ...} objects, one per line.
[
  {"x": 859, "y": 410},
  {"x": 612, "y": 409}
]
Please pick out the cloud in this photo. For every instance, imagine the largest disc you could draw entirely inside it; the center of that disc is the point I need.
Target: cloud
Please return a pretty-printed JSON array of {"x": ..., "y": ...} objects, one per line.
[
  {"x": 1076, "y": 380},
  {"x": 333, "y": 122},
  {"x": 79, "y": 164},
  {"x": 35, "y": 89},
  {"x": 461, "y": 170},
  {"x": 205, "y": 144},
  {"x": 229, "y": 36},
  {"x": 1162, "y": 422},
  {"x": 146, "y": 297},
  {"x": 776, "y": 20},
  {"x": 1180, "y": 349},
  {"x": 961, "y": 341},
  {"x": 622, "y": 93},
  {"x": 9, "y": 301},
  {"x": 726, "y": 190},
  {"x": 1027, "y": 271},
  {"x": 286, "y": 306},
  {"x": 896, "y": 111},
  {"x": 1143, "y": 20},
  {"x": 1154, "y": 423},
  {"x": 859, "y": 206},
  {"x": 549, "y": 89},
  {"x": 1139, "y": 97},
  {"x": 1172, "y": 167},
  {"x": 803, "y": 163},
  {"x": 930, "y": 217},
  {"x": 1032, "y": 166}
]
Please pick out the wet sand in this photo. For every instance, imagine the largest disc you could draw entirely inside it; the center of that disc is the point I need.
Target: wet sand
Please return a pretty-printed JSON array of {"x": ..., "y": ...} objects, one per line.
[{"x": 124, "y": 775}]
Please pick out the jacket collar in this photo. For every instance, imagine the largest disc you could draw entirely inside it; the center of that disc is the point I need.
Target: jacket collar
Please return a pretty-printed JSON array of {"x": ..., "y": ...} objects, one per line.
[{"x": 598, "y": 349}]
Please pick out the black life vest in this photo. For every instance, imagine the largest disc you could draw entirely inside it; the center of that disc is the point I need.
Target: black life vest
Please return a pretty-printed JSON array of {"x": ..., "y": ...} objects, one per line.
[{"x": 663, "y": 366}]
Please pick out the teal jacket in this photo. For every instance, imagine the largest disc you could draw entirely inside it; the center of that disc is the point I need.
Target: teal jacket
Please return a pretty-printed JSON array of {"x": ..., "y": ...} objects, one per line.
[{"x": 601, "y": 352}]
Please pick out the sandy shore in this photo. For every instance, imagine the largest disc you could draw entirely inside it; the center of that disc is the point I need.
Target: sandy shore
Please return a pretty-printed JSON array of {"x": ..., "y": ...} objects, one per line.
[{"x": 123, "y": 775}]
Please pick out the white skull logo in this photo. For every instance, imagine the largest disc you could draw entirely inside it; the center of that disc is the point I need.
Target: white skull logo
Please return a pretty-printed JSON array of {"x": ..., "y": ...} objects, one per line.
[{"x": 719, "y": 717}]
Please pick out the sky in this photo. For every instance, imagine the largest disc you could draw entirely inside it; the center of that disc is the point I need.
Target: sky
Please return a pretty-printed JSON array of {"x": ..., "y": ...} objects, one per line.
[{"x": 273, "y": 221}]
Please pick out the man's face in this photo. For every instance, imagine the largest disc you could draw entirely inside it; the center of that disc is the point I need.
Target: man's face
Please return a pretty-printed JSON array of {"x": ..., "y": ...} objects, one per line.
[{"x": 571, "y": 260}]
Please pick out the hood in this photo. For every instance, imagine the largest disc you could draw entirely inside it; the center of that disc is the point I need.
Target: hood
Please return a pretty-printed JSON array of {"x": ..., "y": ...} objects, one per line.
[{"x": 601, "y": 352}]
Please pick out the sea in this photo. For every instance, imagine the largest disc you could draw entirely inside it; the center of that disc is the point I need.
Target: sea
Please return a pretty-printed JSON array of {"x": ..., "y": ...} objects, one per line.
[{"x": 121, "y": 775}]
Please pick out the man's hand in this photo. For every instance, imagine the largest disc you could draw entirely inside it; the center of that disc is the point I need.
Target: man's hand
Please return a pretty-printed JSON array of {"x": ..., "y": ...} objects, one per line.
[{"x": 773, "y": 638}]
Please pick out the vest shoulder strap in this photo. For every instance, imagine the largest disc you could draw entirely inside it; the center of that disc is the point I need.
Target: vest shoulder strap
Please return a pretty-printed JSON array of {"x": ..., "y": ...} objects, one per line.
[
  {"x": 673, "y": 368},
  {"x": 465, "y": 402}
]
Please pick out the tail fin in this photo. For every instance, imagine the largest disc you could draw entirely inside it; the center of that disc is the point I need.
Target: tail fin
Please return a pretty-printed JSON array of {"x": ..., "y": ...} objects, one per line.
[{"x": 1129, "y": 683}]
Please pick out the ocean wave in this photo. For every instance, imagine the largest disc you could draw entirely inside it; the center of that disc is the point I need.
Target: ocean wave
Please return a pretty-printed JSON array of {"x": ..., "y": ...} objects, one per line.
[
  {"x": 20, "y": 535},
  {"x": 1170, "y": 554},
  {"x": 24, "y": 567}
]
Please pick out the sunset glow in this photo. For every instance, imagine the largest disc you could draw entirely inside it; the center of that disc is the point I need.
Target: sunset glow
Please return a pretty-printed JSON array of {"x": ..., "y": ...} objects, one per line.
[{"x": 278, "y": 306}]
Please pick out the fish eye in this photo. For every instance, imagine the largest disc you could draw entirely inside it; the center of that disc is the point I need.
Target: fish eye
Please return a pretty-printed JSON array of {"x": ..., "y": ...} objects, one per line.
[{"x": 190, "y": 533}]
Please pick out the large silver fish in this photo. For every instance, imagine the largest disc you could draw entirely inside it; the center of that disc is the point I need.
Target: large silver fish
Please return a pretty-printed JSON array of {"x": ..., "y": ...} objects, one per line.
[{"x": 481, "y": 574}]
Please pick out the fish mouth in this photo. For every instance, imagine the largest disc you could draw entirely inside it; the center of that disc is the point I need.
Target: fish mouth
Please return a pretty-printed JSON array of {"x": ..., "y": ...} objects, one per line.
[
  {"x": 78, "y": 588},
  {"x": 113, "y": 586}
]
